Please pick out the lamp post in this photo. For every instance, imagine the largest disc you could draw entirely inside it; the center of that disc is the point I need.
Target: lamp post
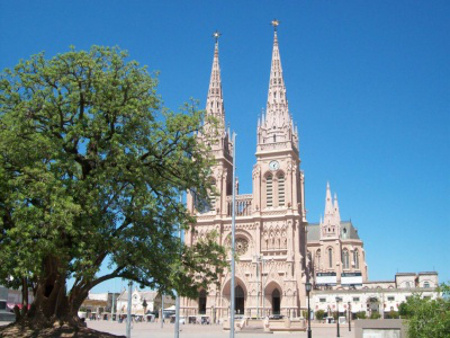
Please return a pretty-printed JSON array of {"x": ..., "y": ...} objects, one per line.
[
  {"x": 338, "y": 299},
  {"x": 349, "y": 317},
  {"x": 308, "y": 290}
]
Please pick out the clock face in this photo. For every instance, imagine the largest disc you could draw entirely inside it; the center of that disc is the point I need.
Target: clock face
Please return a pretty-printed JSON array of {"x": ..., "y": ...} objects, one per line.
[{"x": 274, "y": 165}]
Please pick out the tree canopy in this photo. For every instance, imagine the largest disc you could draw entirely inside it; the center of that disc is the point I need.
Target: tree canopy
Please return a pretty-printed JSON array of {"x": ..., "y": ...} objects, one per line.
[
  {"x": 91, "y": 171},
  {"x": 427, "y": 318}
]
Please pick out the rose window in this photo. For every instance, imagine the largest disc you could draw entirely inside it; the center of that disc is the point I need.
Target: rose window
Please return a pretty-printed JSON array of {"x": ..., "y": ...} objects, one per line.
[{"x": 241, "y": 246}]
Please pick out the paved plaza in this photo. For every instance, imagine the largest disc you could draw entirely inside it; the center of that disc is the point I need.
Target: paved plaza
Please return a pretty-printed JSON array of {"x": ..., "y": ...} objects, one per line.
[{"x": 150, "y": 330}]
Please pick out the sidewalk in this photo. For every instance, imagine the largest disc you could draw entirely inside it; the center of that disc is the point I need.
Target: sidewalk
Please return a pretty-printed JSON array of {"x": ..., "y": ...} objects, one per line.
[{"x": 148, "y": 330}]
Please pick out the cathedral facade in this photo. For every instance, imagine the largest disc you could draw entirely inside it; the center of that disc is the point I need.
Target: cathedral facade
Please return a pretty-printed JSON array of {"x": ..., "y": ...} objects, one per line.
[{"x": 276, "y": 254}]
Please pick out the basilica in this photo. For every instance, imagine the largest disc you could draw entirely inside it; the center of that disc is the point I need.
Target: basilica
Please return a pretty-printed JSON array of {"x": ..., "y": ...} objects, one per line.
[{"x": 278, "y": 250}]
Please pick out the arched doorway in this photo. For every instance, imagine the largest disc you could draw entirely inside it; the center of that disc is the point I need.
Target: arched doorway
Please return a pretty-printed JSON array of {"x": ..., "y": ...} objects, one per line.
[
  {"x": 202, "y": 302},
  {"x": 239, "y": 300},
  {"x": 276, "y": 301}
]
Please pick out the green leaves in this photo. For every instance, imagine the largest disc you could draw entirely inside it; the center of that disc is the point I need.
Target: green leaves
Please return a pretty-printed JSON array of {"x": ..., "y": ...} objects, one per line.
[
  {"x": 92, "y": 167},
  {"x": 428, "y": 318}
]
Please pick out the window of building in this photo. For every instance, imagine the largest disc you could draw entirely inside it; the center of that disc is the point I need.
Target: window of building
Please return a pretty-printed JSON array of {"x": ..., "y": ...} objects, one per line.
[
  {"x": 211, "y": 195},
  {"x": 322, "y": 300},
  {"x": 356, "y": 299},
  {"x": 426, "y": 285},
  {"x": 269, "y": 191},
  {"x": 391, "y": 298},
  {"x": 345, "y": 259},
  {"x": 281, "y": 194},
  {"x": 356, "y": 259},
  {"x": 330, "y": 258},
  {"x": 318, "y": 259}
]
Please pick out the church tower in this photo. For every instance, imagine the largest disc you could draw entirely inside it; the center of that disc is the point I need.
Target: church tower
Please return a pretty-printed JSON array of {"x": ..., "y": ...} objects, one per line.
[
  {"x": 277, "y": 181},
  {"x": 217, "y": 137}
]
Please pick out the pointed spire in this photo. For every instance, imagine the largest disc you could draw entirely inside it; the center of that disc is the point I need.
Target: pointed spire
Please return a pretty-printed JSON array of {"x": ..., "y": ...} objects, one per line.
[
  {"x": 277, "y": 113},
  {"x": 337, "y": 214},
  {"x": 329, "y": 208},
  {"x": 214, "y": 102}
]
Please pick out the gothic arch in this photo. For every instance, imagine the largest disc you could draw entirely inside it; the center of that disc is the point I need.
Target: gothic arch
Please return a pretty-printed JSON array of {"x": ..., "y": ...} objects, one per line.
[
  {"x": 330, "y": 258},
  {"x": 272, "y": 296},
  {"x": 241, "y": 293}
]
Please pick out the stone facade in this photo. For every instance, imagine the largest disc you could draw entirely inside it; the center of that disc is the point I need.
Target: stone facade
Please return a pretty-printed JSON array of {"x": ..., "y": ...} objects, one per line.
[{"x": 278, "y": 250}]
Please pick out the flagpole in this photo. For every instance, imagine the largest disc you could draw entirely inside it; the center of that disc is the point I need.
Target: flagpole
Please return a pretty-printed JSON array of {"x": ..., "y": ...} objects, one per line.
[{"x": 233, "y": 230}]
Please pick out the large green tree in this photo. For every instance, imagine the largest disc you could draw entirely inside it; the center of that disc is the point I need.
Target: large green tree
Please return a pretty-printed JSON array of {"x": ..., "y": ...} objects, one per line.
[
  {"x": 425, "y": 317},
  {"x": 91, "y": 170}
]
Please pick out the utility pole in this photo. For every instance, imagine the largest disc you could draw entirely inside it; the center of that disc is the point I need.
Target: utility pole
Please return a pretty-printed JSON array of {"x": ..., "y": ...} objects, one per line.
[
  {"x": 233, "y": 231},
  {"x": 130, "y": 287},
  {"x": 112, "y": 306},
  {"x": 177, "y": 301},
  {"x": 162, "y": 309}
]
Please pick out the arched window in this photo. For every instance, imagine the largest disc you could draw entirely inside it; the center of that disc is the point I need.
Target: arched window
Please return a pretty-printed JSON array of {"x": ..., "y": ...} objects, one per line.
[
  {"x": 318, "y": 254},
  {"x": 269, "y": 191},
  {"x": 345, "y": 259},
  {"x": 356, "y": 259},
  {"x": 212, "y": 195},
  {"x": 281, "y": 193},
  {"x": 330, "y": 258},
  {"x": 426, "y": 285}
]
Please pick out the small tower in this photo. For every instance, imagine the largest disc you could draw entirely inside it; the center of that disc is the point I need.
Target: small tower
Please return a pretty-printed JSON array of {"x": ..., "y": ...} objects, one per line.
[{"x": 330, "y": 225}]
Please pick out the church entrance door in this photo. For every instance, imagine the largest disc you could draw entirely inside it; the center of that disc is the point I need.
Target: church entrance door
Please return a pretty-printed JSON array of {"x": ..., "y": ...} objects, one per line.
[
  {"x": 276, "y": 301},
  {"x": 239, "y": 300},
  {"x": 202, "y": 303}
]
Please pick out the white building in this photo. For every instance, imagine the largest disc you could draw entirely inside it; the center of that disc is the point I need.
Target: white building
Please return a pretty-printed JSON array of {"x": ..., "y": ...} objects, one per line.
[
  {"x": 152, "y": 299},
  {"x": 377, "y": 296}
]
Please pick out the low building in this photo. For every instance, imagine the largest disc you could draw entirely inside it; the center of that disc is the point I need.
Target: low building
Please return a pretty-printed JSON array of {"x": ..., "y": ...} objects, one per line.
[
  {"x": 152, "y": 302},
  {"x": 383, "y": 297}
]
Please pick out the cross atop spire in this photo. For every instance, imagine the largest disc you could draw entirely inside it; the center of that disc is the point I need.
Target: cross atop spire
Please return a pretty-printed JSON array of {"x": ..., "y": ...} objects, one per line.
[
  {"x": 275, "y": 23},
  {"x": 217, "y": 35}
]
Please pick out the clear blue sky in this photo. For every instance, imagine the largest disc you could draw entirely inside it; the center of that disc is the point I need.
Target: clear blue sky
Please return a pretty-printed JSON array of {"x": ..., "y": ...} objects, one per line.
[{"x": 368, "y": 83}]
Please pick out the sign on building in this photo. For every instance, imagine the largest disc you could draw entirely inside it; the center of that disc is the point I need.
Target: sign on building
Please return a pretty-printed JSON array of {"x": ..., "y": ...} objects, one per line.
[
  {"x": 326, "y": 278},
  {"x": 351, "y": 278}
]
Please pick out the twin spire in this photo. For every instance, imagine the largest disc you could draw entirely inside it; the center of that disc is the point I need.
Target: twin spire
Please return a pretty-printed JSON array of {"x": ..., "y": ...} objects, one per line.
[
  {"x": 276, "y": 125},
  {"x": 331, "y": 222}
]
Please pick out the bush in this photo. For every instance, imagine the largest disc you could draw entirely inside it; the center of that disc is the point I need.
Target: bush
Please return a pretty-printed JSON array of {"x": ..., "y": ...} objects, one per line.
[
  {"x": 375, "y": 315},
  {"x": 392, "y": 315},
  {"x": 320, "y": 314},
  {"x": 361, "y": 315}
]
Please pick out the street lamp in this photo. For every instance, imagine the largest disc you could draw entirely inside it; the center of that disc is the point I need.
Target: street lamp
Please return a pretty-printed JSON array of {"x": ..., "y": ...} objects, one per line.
[
  {"x": 338, "y": 299},
  {"x": 349, "y": 317},
  {"x": 308, "y": 290}
]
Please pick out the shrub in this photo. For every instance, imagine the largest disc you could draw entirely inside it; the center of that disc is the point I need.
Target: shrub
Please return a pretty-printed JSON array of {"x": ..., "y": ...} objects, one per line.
[
  {"x": 375, "y": 315},
  {"x": 361, "y": 315},
  {"x": 320, "y": 314}
]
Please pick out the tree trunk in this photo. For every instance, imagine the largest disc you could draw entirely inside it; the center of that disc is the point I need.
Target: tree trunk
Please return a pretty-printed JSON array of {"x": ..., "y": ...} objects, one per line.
[{"x": 52, "y": 306}]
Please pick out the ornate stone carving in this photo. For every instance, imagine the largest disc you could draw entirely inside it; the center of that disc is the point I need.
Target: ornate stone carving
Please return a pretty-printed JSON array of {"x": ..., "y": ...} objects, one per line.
[{"x": 241, "y": 246}]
